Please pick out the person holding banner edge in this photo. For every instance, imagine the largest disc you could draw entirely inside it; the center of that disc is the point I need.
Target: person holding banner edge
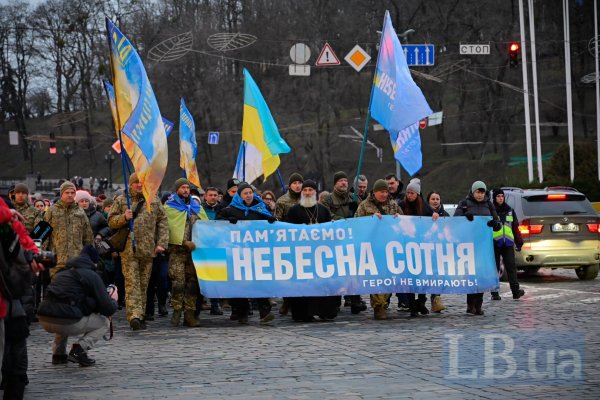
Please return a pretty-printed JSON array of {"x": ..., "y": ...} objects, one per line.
[
  {"x": 477, "y": 203},
  {"x": 245, "y": 205}
]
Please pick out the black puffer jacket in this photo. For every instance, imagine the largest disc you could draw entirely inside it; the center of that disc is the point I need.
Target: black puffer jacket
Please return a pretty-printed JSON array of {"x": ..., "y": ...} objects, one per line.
[
  {"x": 471, "y": 206},
  {"x": 235, "y": 214},
  {"x": 98, "y": 222},
  {"x": 75, "y": 292}
]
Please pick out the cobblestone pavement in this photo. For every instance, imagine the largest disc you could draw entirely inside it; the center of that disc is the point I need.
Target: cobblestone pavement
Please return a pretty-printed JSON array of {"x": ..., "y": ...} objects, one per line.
[{"x": 353, "y": 357}]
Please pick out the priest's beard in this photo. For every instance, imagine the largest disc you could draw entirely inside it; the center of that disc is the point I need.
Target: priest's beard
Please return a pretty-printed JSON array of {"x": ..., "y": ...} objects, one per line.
[{"x": 308, "y": 202}]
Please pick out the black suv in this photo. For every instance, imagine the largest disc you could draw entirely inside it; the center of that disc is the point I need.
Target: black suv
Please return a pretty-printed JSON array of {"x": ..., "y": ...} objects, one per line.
[{"x": 559, "y": 227}]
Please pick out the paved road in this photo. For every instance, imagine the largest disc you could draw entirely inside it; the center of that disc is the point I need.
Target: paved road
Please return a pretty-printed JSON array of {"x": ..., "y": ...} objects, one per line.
[{"x": 354, "y": 357}]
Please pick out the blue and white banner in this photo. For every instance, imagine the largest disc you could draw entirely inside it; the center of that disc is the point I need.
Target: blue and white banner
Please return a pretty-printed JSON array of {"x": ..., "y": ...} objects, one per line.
[{"x": 355, "y": 256}]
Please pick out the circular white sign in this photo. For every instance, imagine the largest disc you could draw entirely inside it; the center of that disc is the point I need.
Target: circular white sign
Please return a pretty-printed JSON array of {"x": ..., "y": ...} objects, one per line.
[{"x": 300, "y": 53}]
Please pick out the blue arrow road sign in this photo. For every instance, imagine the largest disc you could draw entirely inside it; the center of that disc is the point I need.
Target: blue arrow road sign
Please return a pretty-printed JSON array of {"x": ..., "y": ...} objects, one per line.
[
  {"x": 213, "y": 137},
  {"x": 419, "y": 54}
]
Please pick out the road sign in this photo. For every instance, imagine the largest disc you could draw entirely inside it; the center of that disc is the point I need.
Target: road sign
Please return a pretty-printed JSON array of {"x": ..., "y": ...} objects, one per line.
[
  {"x": 13, "y": 138},
  {"x": 357, "y": 58},
  {"x": 299, "y": 70},
  {"x": 423, "y": 123},
  {"x": 213, "y": 137},
  {"x": 477, "y": 49},
  {"x": 300, "y": 53},
  {"x": 327, "y": 57},
  {"x": 421, "y": 55}
]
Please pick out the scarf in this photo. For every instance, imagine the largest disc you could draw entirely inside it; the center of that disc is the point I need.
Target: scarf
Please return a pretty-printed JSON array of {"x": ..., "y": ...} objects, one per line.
[
  {"x": 259, "y": 208},
  {"x": 178, "y": 204}
]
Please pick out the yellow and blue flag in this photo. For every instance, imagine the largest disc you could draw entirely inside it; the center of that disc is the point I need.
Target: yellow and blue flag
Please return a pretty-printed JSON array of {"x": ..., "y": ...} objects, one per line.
[
  {"x": 397, "y": 102},
  {"x": 138, "y": 115},
  {"x": 187, "y": 144},
  {"x": 259, "y": 128}
]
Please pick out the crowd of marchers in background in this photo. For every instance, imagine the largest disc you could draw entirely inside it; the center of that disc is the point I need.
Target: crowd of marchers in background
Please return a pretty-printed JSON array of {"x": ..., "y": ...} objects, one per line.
[{"x": 91, "y": 279}]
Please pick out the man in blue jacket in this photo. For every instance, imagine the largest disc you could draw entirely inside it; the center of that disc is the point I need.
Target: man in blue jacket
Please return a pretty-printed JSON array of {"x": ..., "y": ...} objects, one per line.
[{"x": 77, "y": 303}]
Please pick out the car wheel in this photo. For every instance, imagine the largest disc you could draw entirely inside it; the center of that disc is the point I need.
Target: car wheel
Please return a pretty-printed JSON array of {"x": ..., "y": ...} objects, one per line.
[
  {"x": 587, "y": 272},
  {"x": 529, "y": 271}
]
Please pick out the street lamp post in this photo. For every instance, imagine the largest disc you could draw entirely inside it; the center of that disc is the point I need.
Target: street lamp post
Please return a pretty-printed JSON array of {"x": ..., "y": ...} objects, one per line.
[
  {"x": 110, "y": 157},
  {"x": 30, "y": 149},
  {"x": 68, "y": 153}
]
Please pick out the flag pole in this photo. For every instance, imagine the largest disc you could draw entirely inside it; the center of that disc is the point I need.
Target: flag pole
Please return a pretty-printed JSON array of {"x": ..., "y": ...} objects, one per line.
[
  {"x": 281, "y": 181},
  {"x": 123, "y": 161},
  {"x": 366, "y": 130},
  {"x": 243, "y": 161}
]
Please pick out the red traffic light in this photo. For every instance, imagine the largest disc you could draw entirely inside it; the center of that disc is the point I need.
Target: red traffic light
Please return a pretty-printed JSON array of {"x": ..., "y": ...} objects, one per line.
[{"x": 514, "y": 47}]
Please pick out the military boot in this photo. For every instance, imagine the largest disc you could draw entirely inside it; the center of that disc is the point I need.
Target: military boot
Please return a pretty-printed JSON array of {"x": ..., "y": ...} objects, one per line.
[
  {"x": 189, "y": 319},
  {"x": 176, "y": 318},
  {"x": 436, "y": 304},
  {"x": 380, "y": 313}
]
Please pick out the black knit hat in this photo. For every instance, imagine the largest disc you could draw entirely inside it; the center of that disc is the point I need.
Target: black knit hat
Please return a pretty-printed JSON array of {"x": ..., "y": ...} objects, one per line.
[
  {"x": 244, "y": 185},
  {"x": 232, "y": 182},
  {"x": 339, "y": 175},
  {"x": 295, "y": 177},
  {"x": 309, "y": 183},
  {"x": 91, "y": 252}
]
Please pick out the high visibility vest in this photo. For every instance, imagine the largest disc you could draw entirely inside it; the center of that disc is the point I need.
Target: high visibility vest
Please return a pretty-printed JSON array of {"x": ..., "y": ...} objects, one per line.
[{"x": 505, "y": 237}]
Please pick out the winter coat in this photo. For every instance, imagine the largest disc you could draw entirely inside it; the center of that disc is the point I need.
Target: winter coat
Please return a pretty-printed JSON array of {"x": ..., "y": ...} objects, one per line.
[
  {"x": 474, "y": 207},
  {"x": 211, "y": 211},
  {"x": 71, "y": 231},
  {"x": 340, "y": 205},
  {"x": 75, "y": 292},
  {"x": 97, "y": 222},
  {"x": 505, "y": 212},
  {"x": 370, "y": 206},
  {"x": 31, "y": 215},
  {"x": 150, "y": 227},
  {"x": 232, "y": 213},
  {"x": 284, "y": 203},
  {"x": 316, "y": 214}
]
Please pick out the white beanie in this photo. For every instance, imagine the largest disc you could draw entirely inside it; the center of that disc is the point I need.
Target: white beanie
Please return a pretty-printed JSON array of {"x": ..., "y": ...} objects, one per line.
[
  {"x": 82, "y": 194},
  {"x": 414, "y": 185}
]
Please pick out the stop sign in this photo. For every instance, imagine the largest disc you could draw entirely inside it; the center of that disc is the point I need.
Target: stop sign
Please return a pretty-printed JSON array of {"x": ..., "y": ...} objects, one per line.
[{"x": 423, "y": 123}]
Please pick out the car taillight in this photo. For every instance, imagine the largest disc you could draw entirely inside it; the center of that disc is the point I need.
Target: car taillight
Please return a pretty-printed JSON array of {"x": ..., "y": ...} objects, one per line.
[
  {"x": 527, "y": 229},
  {"x": 557, "y": 197},
  {"x": 593, "y": 228}
]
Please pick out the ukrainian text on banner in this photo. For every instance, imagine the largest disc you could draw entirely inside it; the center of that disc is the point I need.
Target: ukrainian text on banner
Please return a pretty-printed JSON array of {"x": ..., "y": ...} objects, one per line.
[{"x": 355, "y": 256}]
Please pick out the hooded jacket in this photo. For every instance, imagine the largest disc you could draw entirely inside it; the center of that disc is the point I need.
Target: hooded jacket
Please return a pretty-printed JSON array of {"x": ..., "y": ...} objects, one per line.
[{"x": 75, "y": 292}]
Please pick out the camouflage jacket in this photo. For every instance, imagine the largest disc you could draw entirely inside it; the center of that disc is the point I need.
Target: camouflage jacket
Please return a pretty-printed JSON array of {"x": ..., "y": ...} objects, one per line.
[
  {"x": 370, "y": 206},
  {"x": 71, "y": 231},
  {"x": 340, "y": 205},
  {"x": 284, "y": 203},
  {"x": 31, "y": 214},
  {"x": 150, "y": 227}
]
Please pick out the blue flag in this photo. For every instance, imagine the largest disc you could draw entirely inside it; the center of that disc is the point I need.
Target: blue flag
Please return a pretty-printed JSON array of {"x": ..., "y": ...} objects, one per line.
[
  {"x": 187, "y": 144},
  {"x": 396, "y": 101},
  {"x": 407, "y": 148}
]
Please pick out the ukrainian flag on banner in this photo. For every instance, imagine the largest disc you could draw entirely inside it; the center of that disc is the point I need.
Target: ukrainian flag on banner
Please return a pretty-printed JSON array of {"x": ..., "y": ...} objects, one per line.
[
  {"x": 210, "y": 263},
  {"x": 187, "y": 145},
  {"x": 138, "y": 114},
  {"x": 259, "y": 129}
]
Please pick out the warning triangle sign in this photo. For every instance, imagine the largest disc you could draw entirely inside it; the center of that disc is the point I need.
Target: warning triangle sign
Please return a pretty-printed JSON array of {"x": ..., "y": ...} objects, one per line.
[{"x": 327, "y": 57}]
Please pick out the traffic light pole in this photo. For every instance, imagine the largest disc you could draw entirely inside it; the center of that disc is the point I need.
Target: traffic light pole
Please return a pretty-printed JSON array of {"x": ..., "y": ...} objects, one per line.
[
  {"x": 526, "y": 94},
  {"x": 535, "y": 94}
]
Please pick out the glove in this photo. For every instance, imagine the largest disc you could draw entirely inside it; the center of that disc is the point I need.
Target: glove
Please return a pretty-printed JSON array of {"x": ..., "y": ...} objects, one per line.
[
  {"x": 353, "y": 205},
  {"x": 271, "y": 219},
  {"x": 490, "y": 223},
  {"x": 469, "y": 215},
  {"x": 233, "y": 220},
  {"x": 189, "y": 245},
  {"x": 494, "y": 224},
  {"x": 518, "y": 248}
]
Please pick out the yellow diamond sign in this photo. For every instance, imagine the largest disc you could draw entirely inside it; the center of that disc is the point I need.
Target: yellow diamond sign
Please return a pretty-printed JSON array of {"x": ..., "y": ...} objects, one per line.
[{"x": 357, "y": 58}]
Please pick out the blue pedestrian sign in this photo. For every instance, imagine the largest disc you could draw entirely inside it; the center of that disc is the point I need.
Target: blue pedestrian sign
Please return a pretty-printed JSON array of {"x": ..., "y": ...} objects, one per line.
[
  {"x": 213, "y": 137},
  {"x": 421, "y": 55}
]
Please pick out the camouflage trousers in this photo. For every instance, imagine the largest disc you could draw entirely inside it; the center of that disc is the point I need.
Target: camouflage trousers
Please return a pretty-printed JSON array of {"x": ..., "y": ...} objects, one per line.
[
  {"x": 380, "y": 299},
  {"x": 55, "y": 270},
  {"x": 136, "y": 272},
  {"x": 185, "y": 289}
]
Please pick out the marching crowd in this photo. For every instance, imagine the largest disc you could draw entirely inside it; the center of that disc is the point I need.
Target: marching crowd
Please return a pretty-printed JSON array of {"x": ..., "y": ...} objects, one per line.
[{"x": 102, "y": 265}]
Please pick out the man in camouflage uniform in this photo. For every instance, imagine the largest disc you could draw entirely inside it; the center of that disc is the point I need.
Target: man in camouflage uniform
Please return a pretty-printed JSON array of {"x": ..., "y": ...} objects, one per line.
[
  {"x": 282, "y": 207},
  {"x": 182, "y": 213},
  {"x": 151, "y": 234},
  {"x": 341, "y": 205},
  {"x": 31, "y": 215},
  {"x": 379, "y": 203},
  {"x": 71, "y": 229},
  {"x": 291, "y": 198}
]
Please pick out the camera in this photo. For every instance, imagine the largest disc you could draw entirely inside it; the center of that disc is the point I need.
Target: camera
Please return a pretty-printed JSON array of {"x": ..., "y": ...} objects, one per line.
[{"x": 46, "y": 258}]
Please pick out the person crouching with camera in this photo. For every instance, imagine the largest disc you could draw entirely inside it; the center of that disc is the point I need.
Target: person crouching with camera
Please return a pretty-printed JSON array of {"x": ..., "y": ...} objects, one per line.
[{"x": 77, "y": 303}]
